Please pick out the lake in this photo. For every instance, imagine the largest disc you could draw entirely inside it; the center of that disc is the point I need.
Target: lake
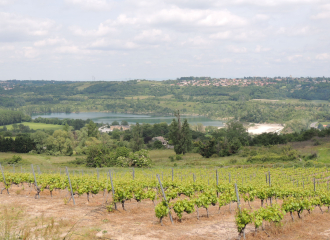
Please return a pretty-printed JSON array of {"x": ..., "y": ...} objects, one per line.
[{"x": 101, "y": 117}]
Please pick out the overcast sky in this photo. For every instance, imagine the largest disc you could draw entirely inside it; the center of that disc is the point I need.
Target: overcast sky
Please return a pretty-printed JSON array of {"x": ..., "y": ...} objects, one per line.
[{"x": 162, "y": 39}]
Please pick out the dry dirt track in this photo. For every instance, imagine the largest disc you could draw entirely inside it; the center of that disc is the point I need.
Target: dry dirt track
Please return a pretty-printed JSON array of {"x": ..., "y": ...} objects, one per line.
[{"x": 92, "y": 221}]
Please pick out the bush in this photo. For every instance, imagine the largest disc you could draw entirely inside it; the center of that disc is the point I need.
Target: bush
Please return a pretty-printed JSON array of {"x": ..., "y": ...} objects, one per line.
[
  {"x": 138, "y": 159},
  {"x": 271, "y": 158},
  {"x": 233, "y": 161},
  {"x": 178, "y": 157},
  {"x": 311, "y": 156},
  {"x": 15, "y": 160},
  {"x": 158, "y": 145},
  {"x": 78, "y": 161},
  {"x": 172, "y": 159},
  {"x": 122, "y": 152}
]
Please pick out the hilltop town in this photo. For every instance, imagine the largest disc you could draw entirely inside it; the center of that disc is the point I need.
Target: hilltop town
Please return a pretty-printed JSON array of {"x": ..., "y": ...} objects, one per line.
[{"x": 243, "y": 82}]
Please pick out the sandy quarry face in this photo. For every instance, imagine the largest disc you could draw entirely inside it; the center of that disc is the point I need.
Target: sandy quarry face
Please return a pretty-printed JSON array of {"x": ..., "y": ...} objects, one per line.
[{"x": 265, "y": 128}]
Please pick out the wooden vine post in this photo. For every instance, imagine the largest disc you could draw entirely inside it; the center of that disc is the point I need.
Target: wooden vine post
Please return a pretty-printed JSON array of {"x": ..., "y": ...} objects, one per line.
[
  {"x": 113, "y": 190},
  {"x": 35, "y": 183},
  {"x": 67, "y": 173},
  {"x": 217, "y": 180},
  {"x": 164, "y": 196}
]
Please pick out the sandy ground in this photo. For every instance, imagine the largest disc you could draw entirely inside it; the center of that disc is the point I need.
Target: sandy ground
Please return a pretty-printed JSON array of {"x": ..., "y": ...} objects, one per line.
[
  {"x": 92, "y": 221},
  {"x": 265, "y": 128}
]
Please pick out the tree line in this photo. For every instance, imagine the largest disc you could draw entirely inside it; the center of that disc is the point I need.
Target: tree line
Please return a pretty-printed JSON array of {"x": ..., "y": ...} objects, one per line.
[{"x": 10, "y": 117}]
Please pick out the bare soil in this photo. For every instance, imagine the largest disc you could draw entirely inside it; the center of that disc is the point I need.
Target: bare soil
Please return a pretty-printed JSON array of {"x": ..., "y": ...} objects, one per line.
[{"x": 91, "y": 220}]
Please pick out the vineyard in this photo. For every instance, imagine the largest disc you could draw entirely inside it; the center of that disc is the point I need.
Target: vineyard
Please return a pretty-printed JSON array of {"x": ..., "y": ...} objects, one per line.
[{"x": 187, "y": 193}]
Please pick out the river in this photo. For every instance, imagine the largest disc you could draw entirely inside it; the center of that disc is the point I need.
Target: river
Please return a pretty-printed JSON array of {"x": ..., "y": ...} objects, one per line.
[{"x": 102, "y": 117}]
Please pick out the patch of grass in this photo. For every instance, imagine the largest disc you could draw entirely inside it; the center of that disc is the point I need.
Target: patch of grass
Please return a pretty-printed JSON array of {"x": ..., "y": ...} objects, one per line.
[
  {"x": 15, "y": 225},
  {"x": 38, "y": 126}
]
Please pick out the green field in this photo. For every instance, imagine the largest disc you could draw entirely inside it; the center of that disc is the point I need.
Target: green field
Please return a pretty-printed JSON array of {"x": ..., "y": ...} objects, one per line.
[
  {"x": 37, "y": 126},
  {"x": 161, "y": 158}
]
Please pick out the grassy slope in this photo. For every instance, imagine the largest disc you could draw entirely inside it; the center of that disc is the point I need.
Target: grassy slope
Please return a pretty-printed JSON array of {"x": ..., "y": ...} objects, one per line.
[
  {"x": 161, "y": 159},
  {"x": 36, "y": 126}
]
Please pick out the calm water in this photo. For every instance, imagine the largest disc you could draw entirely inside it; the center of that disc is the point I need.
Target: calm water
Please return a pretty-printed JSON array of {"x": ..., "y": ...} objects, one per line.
[{"x": 101, "y": 117}]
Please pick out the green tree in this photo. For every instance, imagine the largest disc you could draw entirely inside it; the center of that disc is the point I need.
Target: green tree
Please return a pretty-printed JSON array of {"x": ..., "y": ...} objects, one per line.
[
  {"x": 180, "y": 135},
  {"x": 67, "y": 128},
  {"x": 92, "y": 129},
  {"x": 39, "y": 138},
  {"x": 124, "y": 123},
  {"x": 236, "y": 129},
  {"x": 59, "y": 143},
  {"x": 206, "y": 149},
  {"x": 114, "y": 123},
  {"x": 137, "y": 141}
]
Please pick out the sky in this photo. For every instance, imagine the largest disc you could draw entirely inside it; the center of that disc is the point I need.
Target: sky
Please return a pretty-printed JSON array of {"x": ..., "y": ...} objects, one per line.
[{"x": 163, "y": 39}]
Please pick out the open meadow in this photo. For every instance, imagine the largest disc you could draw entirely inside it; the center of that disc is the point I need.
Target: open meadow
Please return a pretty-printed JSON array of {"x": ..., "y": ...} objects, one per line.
[{"x": 38, "y": 126}]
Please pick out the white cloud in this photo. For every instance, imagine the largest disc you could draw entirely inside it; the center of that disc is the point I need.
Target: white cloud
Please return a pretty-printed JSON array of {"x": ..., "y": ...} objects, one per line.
[
  {"x": 111, "y": 44},
  {"x": 7, "y": 48},
  {"x": 197, "y": 41},
  {"x": 94, "y": 5},
  {"x": 235, "y": 49},
  {"x": 221, "y": 35},
  {"x": 196, "y": 18},
  {"x": 30, "y": 52},
  {"x": 295, "y": 57},
  {"x": 324, "y": 12},
  {"x": 15, "y": 27},
  {"x": 261, "y": 49},
  {"x": 50, "y": 42},
  {"x": 152, "y": 36},
  {"x": 72, "y": 49},
  {"x": 323, "y": 56},
  {"x": 6, "y": 2},
  {"x": 102, "y": 30},
  {"x": 295, "y": 31}
]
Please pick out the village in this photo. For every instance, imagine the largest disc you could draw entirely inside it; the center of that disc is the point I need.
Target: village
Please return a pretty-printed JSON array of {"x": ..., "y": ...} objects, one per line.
[{"x": 242, "y": 82}]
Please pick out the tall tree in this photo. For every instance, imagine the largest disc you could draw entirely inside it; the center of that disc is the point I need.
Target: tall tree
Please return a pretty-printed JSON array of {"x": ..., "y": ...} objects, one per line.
[
  {"x": 92, "y": 129},
  {"x": 137, "y": 141},
  {"x": 180, "y": 135}
]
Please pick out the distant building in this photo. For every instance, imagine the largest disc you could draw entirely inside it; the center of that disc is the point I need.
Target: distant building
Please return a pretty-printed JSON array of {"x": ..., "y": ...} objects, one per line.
[
  {"x": 105, "y": 129},
  {"x": 161, "y": 139}
]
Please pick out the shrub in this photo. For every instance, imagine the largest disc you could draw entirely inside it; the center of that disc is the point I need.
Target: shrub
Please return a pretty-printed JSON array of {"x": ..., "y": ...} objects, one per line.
[
  {"x": 178, "y": 157},
  {"x": 15, "y": 160},
  {"x": 122, "y": 152},
  {"x": 233, "y": 161},
  {"x": 158, "y": 145},
  {"x": 79, "y": 161},
  {"x": 271, "y": 158},
  {"x": 311, "y": 156},
  {"x": 138, "y": 159}
]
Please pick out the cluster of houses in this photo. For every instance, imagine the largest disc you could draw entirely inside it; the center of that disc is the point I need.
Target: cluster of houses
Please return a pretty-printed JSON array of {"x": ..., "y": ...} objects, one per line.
[
  {"x": 106, "y": 129},
  {"x": 243, "y": 82}
]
